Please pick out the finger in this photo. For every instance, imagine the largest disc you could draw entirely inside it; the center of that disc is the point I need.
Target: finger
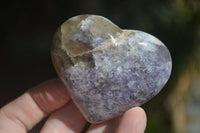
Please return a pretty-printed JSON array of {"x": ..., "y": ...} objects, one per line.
[
  {"x": 133, "y": 121},
  {"x": 27, "y": 110},
  {"x": 68, "y": 119},
  {"x": 105, "y": 127}
]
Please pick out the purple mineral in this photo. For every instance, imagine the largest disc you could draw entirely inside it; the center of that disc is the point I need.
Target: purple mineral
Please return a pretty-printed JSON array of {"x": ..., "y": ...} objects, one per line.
[{"x": 107, "y": 70}]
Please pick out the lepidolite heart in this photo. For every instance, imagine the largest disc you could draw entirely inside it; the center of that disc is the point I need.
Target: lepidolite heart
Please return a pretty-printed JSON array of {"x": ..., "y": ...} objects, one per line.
[{"x": 107, "y": 70}]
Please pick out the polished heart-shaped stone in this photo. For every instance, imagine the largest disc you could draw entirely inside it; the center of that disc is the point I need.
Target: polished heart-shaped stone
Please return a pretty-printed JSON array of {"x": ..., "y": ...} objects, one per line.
[{"x": 107, "y": 70}]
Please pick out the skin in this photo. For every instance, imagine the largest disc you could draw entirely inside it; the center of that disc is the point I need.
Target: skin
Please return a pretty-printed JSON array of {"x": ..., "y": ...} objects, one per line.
[{"x": 51, "y": 99}]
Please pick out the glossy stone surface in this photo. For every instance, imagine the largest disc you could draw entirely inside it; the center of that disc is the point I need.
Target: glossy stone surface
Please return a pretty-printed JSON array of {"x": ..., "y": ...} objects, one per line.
[{"x": 107, "y": 70}]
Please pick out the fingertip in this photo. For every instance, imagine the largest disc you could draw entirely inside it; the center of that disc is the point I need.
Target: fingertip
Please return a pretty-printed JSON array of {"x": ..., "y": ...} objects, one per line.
[
  {"x": 50, "y": 95},
  {"x": 137, "y": 111},
  {"x": 134, "y": 121}
]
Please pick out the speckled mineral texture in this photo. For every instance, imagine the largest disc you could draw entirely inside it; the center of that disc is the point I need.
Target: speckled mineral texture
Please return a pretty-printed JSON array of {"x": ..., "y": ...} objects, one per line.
[{"x": 107, "y": 70}]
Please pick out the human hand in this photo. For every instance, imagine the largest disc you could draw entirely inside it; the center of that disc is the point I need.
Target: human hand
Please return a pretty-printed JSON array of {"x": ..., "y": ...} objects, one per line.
[{"x": 50, "y": 98}]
